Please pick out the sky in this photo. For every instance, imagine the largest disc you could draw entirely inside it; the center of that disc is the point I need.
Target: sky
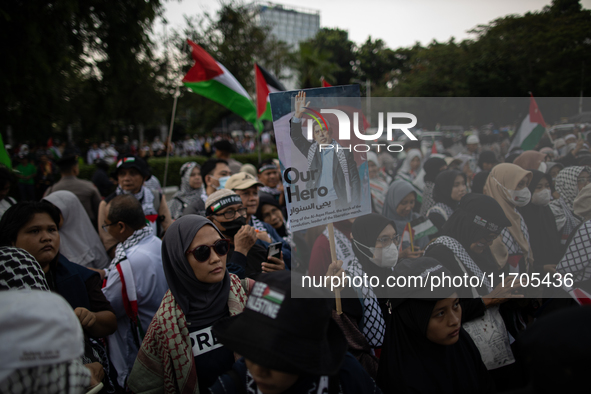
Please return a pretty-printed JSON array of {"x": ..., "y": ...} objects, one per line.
[{"x": 400, "y": 23}]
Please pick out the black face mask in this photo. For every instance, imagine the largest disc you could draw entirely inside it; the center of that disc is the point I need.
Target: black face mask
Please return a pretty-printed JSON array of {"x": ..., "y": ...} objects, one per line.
[{"x": 232, "y": 227}]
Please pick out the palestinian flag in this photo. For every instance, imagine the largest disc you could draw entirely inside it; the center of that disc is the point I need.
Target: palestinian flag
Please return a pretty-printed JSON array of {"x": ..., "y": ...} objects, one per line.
[
  {"x": 212, "y": 80},
  {"x": 4, "y": 157},
  {"x": 422, "y": 227},
  {"x": 266, "y": 83},
  {"x": 532, "y": 128}
]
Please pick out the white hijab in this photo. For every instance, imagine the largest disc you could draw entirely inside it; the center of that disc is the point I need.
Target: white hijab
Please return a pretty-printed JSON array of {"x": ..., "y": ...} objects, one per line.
[{"x": 79, "y": 241}]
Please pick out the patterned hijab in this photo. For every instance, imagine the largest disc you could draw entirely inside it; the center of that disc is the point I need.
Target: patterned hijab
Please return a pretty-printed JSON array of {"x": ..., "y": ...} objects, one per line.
[
  {"x": 202, "y": 303},
  {"x": 505, "y": 177},
  {"x": 19, "y": 270}
]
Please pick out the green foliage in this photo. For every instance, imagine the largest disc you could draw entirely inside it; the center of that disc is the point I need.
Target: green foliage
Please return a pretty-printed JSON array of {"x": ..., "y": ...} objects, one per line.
[{"x": 158, "y": 165}]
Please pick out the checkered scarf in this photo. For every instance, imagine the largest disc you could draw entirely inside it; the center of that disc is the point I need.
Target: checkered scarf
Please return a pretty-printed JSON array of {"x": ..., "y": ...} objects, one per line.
[
  {"x": 20, "y": 270},
  {"x": 577, "y": 259},
  {"x": 145, "y": 197},
  {"x": 566, "y": 185},
  {"x": 70, "y": 377},
  {"x": 443, "y": 209},
  {"x": 130, "y": 242},
  {"x": 340, "y": 154},
  {"x": 463, "y": 257}
]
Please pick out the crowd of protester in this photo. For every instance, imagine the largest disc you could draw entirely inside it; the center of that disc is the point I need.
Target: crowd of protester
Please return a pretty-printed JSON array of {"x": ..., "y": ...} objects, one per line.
[{"x": 109, "y": 287}]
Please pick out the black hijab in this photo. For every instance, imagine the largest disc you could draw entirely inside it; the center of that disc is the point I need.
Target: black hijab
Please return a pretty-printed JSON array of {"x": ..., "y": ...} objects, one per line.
[
  {"x": 365, "y": 232},
  {"x": 432, "y": 167},
  {"x": 479, "y": 181},
  {"x": 202, "y": 303},
  {"x": 541, "y": 225},
  {"x": 267, "y": 199},
  {"x": 411, "y": 363},
  {"x": 477, "y": 216},
  {"x": 444, "y": 183}
]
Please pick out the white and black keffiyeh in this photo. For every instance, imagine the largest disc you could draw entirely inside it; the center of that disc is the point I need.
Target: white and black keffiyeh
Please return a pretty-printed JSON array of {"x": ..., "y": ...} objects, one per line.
[
  {"x": 563, "y": 208},
  {"x": 70, "y": 377},
  {"x": 145, "y": 197},
  {"x": 442, "y": 209},
  {"x": 133, "y": 240},
  {"x": 20, "y": 270},
  {"x": 321, "y": 386},
  {"x": 577, "y": 259},
  {"x": 459, "y": 251},
  {"x": 510, "y": 242},
  {"x": 428, "y": 201},
  {"x": 340, "y": 154},
  {"x": 374, "y": 326}
]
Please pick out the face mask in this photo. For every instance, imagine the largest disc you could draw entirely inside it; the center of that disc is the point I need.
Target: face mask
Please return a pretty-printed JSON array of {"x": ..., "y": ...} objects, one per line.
[
  {"x": 384, "y": 257},
  {"x": 520, "y": 198},
  {"x": 232, "y": 227},
  {"x": 542, "y": 198},
  {"x": 222, "y": 181},
  {"x": 542, "y": 167}
]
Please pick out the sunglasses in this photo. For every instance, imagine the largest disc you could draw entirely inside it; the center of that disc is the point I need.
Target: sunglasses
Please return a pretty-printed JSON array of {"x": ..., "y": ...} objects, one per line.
[{"x": 202, "y": 252}]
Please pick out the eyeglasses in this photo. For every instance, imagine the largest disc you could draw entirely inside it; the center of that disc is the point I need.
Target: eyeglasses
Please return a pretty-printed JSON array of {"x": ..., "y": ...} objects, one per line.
[
  {"x": 583, "y": 180},
  {"x": 105, "y": 227},
  {"x": 202, "y": 252},
  {"x": 387, "y": 241},
  {"x": 231, "y": 213}
]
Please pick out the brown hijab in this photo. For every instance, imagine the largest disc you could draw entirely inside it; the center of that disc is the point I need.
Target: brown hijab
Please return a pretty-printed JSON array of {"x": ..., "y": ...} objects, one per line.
[
  {"x": 530, "y": 160},
  {"x": 507, "y": 176}
]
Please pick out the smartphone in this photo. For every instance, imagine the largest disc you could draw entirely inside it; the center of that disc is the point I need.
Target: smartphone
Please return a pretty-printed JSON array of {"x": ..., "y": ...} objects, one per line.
[{"x": 274, "y": 250}]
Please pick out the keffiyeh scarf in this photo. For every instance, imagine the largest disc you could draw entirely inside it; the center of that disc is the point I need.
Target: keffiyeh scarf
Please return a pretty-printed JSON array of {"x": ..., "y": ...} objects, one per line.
[
  {"x": 340, "y": 154},
  {"x": 145, "y": 197},
  {"x": 577, "y": 259},
  {"x": 123, "y": 266},
  {"x": 19, "y": 270},
  {"x": 70, "y": 377}
]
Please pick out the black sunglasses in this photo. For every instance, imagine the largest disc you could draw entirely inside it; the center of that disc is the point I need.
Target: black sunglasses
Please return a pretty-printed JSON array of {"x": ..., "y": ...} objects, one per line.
[{"x": 202, "y": 252}]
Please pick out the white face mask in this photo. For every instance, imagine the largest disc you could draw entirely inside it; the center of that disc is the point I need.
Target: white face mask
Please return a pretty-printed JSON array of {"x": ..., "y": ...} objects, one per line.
[
  {"x": 542, "y": 198},
  {"x": 520, "y": 198},
  {"x": 384, "y": 257},
  {"x": 542, "y": 167}
]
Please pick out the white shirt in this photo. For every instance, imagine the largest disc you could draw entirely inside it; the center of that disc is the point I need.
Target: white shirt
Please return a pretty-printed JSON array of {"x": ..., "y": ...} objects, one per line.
[{"x": 146, "y": 263}]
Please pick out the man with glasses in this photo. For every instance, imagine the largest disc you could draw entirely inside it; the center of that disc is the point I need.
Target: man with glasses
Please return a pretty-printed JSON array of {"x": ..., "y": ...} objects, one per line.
[
  {"x": 247, "y": 188},
  {"x": 245, "y": 258},
  {"x": 134, "y": 278}
]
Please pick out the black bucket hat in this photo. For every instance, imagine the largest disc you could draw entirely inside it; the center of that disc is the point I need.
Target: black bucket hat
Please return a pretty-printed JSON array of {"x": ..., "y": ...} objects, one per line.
[
  {"x": 132, "y": 162},
  {"x": 294, "y": 335}
]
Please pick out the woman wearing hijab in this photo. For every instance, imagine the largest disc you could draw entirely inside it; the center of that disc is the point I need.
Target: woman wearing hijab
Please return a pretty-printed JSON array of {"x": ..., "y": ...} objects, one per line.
[
  {"x": 569, "y": 183},
  {"x": 179, "y": 353},
  {"x": 531, "y": 160},
  {"x": 450, "y": 187},
  {"x": 464, "y": 248},
  {"x": 426, "y": 350},
  {"x": 411, "y": 172},
  {"x": 375, "y": 244},
  {"x": 543, "y": 235},
  {"x": 507, "y": 184},
  {"x": 378, "y": 186},
  {"x": 269, "y": 211},
  {"x": 433, "y": 166},
  {"x": 400, "y": 201},
  {"x": 79, "y": 242},
  {"x": 190, "y": 190}
]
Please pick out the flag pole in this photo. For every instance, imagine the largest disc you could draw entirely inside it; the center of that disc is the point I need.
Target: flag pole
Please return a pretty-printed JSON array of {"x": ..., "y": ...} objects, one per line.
[
  {"x": 333, "y": 257},
  {"x": 170, "y": 130}
]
